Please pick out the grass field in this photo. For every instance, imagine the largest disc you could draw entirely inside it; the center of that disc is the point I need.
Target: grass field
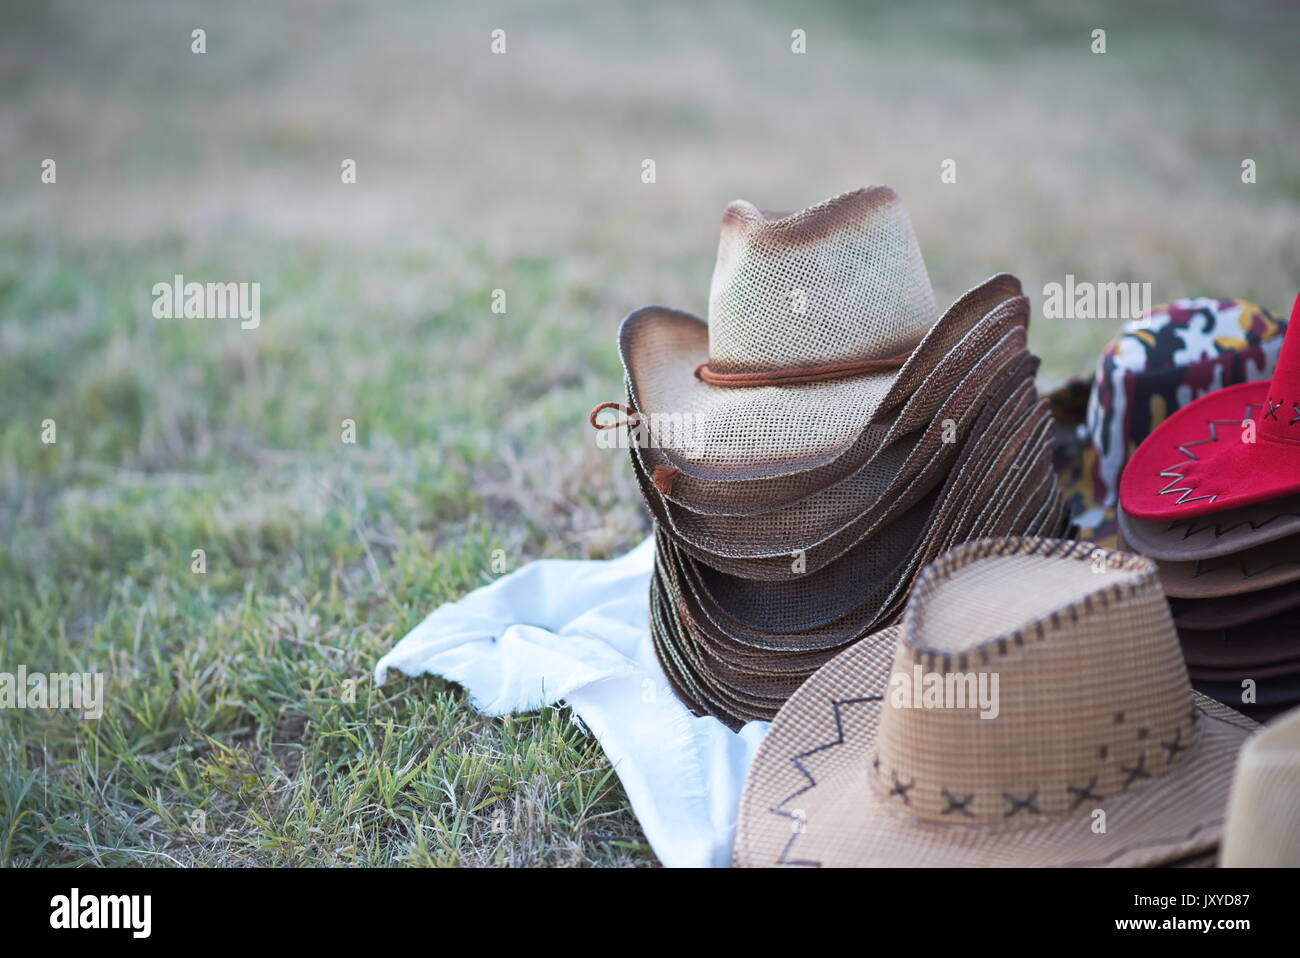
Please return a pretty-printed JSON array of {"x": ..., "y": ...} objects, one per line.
[{"x": 241, "y": 726}]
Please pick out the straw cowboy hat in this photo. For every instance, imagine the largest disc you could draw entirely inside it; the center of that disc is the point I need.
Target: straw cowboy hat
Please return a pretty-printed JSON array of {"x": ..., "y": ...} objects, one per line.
[
  {"x": 1263, "y": 828},
  {"x": 858, "y": 504},
  {"x": 1096, "y": 751},
  {"x": 820, "y": 322},
  {"x": 821, "y": 438},
  {"x": 1000, "y": 307},
  {"x": 1232, "y": 448}
]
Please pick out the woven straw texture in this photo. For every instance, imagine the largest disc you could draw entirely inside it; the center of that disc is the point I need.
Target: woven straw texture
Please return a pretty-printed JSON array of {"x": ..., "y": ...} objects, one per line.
[
  {"x": 750, "y": 496},
  {"x": 827, "y": 524},
  {"x": 1263, "y": 827},
  {"x": 859, "y": 253},
  {"x": 1095, "y": 712},
  {"x": 837, "y": 282}
]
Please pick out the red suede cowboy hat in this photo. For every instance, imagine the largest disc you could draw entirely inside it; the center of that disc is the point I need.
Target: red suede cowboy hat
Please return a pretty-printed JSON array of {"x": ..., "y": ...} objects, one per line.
[{"x": 1207, "y": 457}]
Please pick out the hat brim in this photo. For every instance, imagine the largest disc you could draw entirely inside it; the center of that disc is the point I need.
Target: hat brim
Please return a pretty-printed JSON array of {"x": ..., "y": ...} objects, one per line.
[
  {"x": 1278, "y": 691},
  {"x": 831, "y": 521},
  {"x": 1215, "y": 534},
  {"x": 1227, "y": 612},
  {"x": 809, "y": 799},
  {"x": 830, "y": 604},
  {"x": 661, "y": 348},
  {"x": 1195, "y": 462},
  {"x": 748, "y": 496},
  {"x": 1265, "y": 643},
  {"x": 1261, "y": 567}
]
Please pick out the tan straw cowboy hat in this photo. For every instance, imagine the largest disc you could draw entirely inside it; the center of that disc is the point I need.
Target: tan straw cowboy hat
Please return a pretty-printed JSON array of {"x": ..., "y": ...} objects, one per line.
[
  {"x": 820, "y": 322},
  {"x": 1032, "y": 709},
  {"x": 949, "y": 380}
]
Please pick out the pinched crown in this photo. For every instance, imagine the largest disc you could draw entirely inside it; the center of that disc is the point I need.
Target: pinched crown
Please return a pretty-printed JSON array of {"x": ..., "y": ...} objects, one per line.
[{"x": 838, "y": 283}]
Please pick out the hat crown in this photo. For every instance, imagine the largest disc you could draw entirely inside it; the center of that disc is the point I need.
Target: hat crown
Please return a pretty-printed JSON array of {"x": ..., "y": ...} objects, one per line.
[
  {"x": 839, "y": 282},
  {"x": 1279, "y": 417},
  {"x": 1087, "y": 695}
]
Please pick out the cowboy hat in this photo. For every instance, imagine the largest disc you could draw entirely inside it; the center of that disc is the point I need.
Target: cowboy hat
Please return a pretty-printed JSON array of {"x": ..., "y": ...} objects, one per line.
[
  {"x": 1232, "y": 448},
  {"x": 1097, "y": 751},
  {"x": 820, "y": 322},
  {"x": 1005, "y": 310},
  {"x": 1263, "y": 827}
]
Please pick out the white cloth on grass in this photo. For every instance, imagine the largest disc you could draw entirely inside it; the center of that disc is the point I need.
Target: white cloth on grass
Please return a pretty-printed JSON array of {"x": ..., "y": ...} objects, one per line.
[{"x": 578, "y": 631}]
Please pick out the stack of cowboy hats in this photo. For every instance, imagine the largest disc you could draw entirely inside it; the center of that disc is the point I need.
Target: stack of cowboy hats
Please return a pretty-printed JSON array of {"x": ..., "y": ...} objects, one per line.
[
  {"x": 820, "y": 439},
  {"x": 1032, "y": 709},
  {"x": 1213, "y": 495}
]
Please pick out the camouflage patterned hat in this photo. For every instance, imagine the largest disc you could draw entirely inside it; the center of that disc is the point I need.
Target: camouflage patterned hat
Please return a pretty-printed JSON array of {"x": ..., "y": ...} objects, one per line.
[{"x": 1153, "y": 367}]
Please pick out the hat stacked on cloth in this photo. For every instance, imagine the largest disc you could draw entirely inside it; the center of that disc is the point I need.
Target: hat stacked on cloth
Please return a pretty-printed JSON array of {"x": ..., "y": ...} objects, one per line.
[
  {"x": 1153, "y": 367},
  {"x": 1032, "y": 709},
  {"x": 1213, "y": 495},
  {"x": 826, "y": 433}
]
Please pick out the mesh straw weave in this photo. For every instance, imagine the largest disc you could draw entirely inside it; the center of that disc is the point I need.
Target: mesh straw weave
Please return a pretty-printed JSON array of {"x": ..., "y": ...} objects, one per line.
[
  {"x": 750, "y": 496},
  {"x": 930, "y": 461},
  {"x": 764, "y": 431},
  {"x": 837, "y": 282},
  {"x": 835, "y": 591},
  {"x": 1263, "y": 828},
  {"x": 1093, "y": 701}
]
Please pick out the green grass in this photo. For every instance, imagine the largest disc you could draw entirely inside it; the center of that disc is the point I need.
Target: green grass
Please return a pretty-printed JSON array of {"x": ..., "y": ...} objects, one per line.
[
  {"x": 228, "y": 691},
  {"x": 240, "y": 699}
]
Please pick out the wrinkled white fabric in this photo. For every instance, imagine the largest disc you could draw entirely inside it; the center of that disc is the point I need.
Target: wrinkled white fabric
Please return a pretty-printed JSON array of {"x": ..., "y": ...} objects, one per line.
[{"x": 578, "y": 631}]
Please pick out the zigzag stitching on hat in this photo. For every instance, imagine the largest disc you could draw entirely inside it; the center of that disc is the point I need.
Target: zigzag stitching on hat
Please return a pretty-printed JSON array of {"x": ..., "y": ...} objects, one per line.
[
  {"x": 1219, "y": 530},
  {"x": 1174, "y": 477},
  {"x": 797, "y": 761},
  {"x": 1198, "y": 571}
]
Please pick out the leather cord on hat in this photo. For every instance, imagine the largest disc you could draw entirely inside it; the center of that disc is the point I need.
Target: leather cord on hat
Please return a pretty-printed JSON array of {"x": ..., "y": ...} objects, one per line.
[
  {"x": 806, "y": 374},
  {"x": 631, "y": 416}
]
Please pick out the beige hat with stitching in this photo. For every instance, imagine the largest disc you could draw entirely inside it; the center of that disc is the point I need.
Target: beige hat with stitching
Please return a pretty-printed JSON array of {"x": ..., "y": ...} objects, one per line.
[{"x": 1032, "y": 709}]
